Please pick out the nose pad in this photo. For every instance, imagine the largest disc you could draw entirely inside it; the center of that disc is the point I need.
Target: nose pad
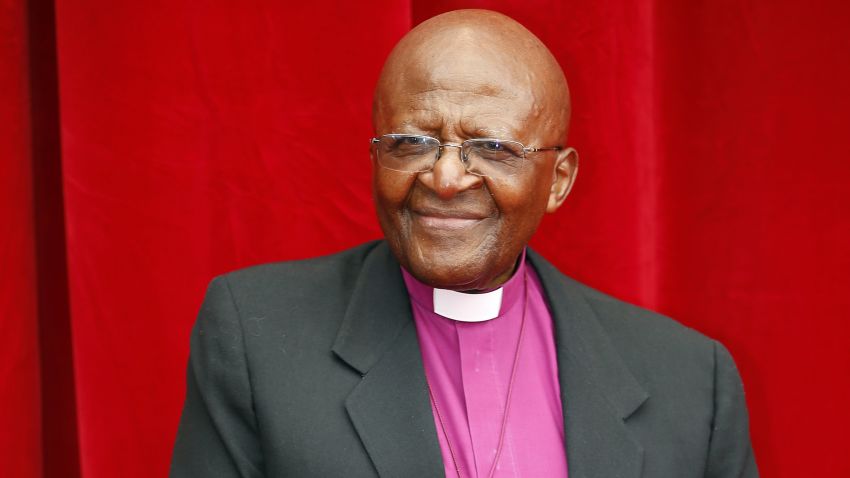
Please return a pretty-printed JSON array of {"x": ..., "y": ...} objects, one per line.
[
  {"x": 459, "y": 148},
  {"x": 447, "y": 178},
  {"x": 448, "y": 169}
]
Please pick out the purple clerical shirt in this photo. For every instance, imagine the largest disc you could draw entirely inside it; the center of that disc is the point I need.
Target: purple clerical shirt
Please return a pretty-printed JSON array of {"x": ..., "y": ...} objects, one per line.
[{"x": 468, "y": 366}]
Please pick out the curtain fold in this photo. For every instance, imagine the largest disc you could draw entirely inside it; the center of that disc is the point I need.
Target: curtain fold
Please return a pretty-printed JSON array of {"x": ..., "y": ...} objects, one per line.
[
  {"x": 20, "y": 391},
  {"x": 38, "y": 396},
  {"x": 153, "y": 146}
]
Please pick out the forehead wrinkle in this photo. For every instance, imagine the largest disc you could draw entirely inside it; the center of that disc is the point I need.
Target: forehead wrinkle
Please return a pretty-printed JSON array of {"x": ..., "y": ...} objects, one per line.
[
  {"x": 475, "y": 87},
  {"x": 463, "y": 118},
  {"x": 469, "y": 83},
  {"x": 435, "y": 100},
  {"x": 447, "y": 107}
]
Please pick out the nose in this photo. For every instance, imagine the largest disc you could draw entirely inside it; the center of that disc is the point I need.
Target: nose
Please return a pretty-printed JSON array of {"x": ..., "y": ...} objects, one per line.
[{"x": 449, "y": 176}]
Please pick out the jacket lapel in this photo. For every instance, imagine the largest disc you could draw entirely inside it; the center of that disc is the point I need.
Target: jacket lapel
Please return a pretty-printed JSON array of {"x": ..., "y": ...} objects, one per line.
[
  {"x": 389, "y": 407},
  {"x": 598, "y": 392}
]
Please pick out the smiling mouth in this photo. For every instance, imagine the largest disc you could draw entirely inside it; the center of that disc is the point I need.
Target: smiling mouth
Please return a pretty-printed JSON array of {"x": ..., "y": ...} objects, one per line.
[
  {"x": 449, "y": 223},
  {"x": 446, "y": 221}
]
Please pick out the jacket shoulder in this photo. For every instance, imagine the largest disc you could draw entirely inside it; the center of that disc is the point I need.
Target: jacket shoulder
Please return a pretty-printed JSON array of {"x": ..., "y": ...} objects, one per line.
[
  {"x": 695, "y": 391},
  {"x": 298, "y": 283},
  {"x": 654, "y": 347},
  {"x": 650, "y": 342},
  {"x": 629, "y": 322}
]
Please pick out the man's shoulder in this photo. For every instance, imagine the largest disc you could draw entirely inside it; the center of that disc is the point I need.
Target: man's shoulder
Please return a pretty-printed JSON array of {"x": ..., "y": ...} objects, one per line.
[
  {"x": 646, "y": 340},
  {"x": 630, "y": 322},
  {"x": 305, "y": 269},
  {"x": 303, "y": 281}
]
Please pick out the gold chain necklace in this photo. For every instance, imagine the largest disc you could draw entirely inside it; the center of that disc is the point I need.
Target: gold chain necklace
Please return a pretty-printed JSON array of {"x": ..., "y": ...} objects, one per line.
[{"x": 507, "y": 400}]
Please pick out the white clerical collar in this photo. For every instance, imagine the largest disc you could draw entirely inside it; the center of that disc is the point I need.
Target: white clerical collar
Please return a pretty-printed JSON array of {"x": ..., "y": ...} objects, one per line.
[{"x": 465, "y": 307}]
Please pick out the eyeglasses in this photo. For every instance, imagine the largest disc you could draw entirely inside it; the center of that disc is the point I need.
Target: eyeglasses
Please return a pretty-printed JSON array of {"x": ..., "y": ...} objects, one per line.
[{"x": 480, "y": 156}]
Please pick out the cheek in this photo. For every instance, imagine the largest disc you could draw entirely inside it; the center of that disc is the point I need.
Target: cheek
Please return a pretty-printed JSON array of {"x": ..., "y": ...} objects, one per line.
[
  {"x": 521, "y": 203},
  {"x": 390, "y": 190}
]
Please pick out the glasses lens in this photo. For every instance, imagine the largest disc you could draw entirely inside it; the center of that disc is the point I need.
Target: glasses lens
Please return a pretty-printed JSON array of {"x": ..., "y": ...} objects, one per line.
[
  {"x": 493, "y": 157},
  {"x": 407, "y": 152}
]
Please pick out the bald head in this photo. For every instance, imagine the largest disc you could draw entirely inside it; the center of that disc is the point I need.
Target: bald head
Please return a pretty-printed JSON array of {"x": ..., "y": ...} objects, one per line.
[
  {"x": 481, "y": 52},
  {"x": 457, "y": 213}
]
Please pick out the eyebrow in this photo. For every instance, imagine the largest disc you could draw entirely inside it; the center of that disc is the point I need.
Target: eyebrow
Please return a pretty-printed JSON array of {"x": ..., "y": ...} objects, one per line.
[
  {"x": 418, "y": 126},
  {"x": 484, "y": 132}
]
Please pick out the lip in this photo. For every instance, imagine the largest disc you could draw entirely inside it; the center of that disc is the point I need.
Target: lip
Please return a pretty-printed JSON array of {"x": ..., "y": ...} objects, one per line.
[{"x": 449, "y": 220}]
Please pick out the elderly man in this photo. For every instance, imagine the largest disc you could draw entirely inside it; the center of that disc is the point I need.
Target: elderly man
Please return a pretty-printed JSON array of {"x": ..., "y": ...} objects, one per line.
[{"x": 450, "y": 349}]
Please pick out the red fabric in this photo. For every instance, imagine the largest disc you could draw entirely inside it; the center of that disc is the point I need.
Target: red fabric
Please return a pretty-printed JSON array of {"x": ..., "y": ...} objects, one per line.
[
  {"x": 190, "y": 147},
  {"x": 201, "y": 137},
  {"x": 20, "y": 393}
]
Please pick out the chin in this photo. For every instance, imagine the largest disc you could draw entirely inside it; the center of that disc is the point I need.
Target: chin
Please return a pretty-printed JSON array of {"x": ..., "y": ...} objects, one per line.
[
  {"x": 465, "y": 260},
  {"x": 446, "y": 278},
  {"x": 451, "y": 270}
]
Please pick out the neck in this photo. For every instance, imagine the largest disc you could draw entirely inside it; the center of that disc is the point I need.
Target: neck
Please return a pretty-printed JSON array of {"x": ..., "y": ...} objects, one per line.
[
  {"x": 470, "y": 306},
  {"x": 499, "y": 280}
]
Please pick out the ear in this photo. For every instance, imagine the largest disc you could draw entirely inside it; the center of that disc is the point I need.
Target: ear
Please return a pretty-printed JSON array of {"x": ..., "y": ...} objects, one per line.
[{"x": 563, "y": 177}]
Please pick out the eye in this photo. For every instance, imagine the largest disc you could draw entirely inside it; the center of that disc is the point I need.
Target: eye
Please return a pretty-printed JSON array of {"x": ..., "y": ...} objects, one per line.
[
  {"x": 496, "y": 150},
  {"x": 407, "y": 145},
  {"x": 410, "y": 141},
  {"x": 492, "y": 146}
]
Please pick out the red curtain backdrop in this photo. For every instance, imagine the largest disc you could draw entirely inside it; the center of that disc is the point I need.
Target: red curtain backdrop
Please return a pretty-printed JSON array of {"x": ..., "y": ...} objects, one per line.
[
  {"x": 20, "y": 394},
  {"x": 148, "y": 146}
]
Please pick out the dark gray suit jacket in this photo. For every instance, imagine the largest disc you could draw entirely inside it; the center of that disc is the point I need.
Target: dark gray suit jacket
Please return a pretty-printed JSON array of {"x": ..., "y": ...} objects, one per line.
[{"x": 313, "y": 369}]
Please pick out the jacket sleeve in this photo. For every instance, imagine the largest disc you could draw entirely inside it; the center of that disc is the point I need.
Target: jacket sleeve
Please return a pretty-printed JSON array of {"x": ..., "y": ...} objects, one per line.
[
  {"x": 217, "y": 436},
  {"x": 730, "y": 454}
]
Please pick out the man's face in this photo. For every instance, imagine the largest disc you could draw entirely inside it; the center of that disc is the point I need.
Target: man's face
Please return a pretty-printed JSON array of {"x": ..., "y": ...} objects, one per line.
[{"x": 450, "y": 228}]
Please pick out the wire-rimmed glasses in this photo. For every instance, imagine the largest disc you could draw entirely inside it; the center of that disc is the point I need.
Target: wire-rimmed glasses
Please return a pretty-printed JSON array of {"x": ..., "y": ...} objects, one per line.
[{"x": 480, "y": 156}]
